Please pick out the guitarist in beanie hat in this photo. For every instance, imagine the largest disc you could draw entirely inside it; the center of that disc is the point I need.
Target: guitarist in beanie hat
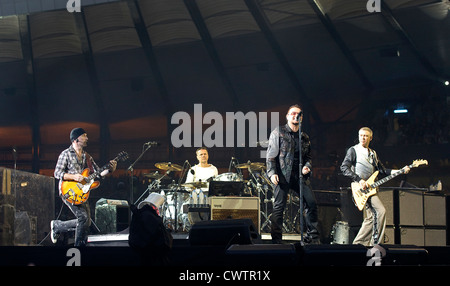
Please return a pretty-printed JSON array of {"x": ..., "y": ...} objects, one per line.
[{"x": 71, "y": 163}]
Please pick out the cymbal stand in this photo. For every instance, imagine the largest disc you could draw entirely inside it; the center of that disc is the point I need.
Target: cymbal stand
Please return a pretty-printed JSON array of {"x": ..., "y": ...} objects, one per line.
[
  {"x": 268, "y": 184},
  {"x": 260, "y": 190},
  {"x": 290, "y": 215},
  {"x": 175, "y": 193},
  {"x": 154, "y": 185}
]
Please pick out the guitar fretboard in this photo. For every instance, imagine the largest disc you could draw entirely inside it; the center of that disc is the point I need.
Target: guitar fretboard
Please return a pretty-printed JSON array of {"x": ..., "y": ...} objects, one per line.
[{"x": 385, "y": 179}]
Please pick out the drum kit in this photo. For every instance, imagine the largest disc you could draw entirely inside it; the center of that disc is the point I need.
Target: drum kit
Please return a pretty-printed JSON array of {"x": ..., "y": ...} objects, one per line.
[{"x": 186, "y": 203}]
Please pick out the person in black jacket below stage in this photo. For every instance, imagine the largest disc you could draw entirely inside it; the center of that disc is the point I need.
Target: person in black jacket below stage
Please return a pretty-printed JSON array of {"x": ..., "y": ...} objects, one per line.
[
  {"x": 282, "y": 161},
  {"x": 359, "y": 164}
]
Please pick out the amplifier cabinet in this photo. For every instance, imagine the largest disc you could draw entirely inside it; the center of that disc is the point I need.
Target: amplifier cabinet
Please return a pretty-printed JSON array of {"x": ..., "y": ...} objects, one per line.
[
  {"x": 223, "y": 208},
  {"x": 434, "y": 210},
  {"x": 111, "y": 215},
  {"x": 411, "y": 208}
]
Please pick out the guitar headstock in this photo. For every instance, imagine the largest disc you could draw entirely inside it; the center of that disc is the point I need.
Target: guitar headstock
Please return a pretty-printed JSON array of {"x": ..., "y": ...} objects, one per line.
[
  {"x": 417, "y": 163},
  {"x": 122, "y": 156}
]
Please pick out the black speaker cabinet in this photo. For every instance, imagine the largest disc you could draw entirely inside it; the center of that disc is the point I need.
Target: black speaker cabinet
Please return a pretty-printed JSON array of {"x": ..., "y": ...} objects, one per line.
[
  {"x": 263, "y": 255},
  {"x": 223, "y": 232},
  {"x": 30, "y": 193}
]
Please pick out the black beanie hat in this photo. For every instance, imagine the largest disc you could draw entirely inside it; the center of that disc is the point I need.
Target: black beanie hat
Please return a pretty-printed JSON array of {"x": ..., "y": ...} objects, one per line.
[{"x": 75, "y": 133}]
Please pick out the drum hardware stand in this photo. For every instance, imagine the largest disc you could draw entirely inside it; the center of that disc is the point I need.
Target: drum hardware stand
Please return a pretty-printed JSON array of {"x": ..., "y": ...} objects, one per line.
[
  {"x": 131, "y": 167},
  {"x": 266, "y": 200},
  {"x": 259, "y": 190},
  {"x": 233, "y": 163},
  {"x": 154, "y": 185},
  {"x": 290, "y": 219},
  {"x": 175, "y": 193}
]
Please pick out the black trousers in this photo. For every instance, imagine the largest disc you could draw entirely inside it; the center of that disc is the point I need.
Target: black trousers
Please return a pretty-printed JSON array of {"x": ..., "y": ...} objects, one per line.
[{"x": 310, "y": 206}]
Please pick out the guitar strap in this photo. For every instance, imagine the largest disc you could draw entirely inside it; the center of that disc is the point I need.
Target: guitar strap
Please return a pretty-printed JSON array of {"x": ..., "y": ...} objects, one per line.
[{"x": 89, "y": 163}]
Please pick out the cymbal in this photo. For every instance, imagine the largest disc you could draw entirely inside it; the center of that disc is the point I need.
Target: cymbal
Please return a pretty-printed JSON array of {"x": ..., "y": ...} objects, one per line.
[
  {"x": 168, "y": 166},
  {"x": 154, "y": 175},
  {"x": 253, "y": 166},
  {"x": 195, "y": 185},
  {"x": 173, "y": 188}
]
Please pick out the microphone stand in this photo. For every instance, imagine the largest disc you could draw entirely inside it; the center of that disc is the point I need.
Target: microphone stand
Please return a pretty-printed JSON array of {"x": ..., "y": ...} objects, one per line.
[
  {"x": 154, "y": 184},
  {"x": 238, "y": 170},
  {"x": 300, "y": 180},
  {"x": 131, "y": 168}
]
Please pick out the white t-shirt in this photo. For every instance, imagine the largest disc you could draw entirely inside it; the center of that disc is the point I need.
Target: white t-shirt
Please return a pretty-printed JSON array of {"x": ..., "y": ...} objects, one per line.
[{"x": 201, "y": 173}]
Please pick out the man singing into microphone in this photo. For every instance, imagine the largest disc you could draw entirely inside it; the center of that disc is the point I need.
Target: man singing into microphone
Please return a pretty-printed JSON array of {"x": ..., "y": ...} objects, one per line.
[{"x": 283, "y": 158}]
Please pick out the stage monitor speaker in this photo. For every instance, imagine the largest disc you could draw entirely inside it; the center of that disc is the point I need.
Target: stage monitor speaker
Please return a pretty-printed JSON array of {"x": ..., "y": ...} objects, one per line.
[
  {"x": 334, "y": 255},
  {"x": 403, "y": 255},
  {"x": 223, "y": 232},
  {"x": 111, "y": 215},
  {"x": 223, "y": 208},
  {"x": 263, "y": 255}
]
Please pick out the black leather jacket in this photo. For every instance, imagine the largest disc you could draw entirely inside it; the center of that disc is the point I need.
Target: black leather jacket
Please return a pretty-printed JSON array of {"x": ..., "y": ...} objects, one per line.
[{"x": 280, "y": 153}]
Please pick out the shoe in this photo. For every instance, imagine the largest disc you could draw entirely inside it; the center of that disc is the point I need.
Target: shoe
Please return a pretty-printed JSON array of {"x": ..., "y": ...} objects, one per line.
[
  {"x": 53, "y": 235},
  {"x": 315, "y": 241},
  {"x": 311, "y": 240}
]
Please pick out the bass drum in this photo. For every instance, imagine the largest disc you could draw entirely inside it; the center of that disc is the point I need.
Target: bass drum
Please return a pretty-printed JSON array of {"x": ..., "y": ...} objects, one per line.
[
  {"x": 228, "y": 177},
  {"x": 169, "y": 208}
]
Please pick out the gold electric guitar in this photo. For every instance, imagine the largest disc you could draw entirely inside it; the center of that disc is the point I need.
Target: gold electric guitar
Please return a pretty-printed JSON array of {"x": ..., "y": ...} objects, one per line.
[
  {"x": 361, "y": 196},
  {"x": 77, "y": 193}
]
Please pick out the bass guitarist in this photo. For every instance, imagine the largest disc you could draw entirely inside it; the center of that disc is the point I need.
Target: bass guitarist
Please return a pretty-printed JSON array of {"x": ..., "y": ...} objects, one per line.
[
  {"x": 359, "y": 164},
  {"x": 70, "y": 165}
]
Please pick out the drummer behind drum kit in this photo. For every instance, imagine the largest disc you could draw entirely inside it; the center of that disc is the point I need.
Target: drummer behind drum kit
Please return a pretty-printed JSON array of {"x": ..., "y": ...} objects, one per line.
[{"x": 189, "y": 202}]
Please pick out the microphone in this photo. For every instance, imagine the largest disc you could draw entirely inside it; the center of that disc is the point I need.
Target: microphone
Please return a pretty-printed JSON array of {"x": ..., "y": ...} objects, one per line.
[
  {"x": 190, "y": 167},
  {"x": 14, "y": 152},
  {"x": 297, "y": 118},
  {"x": 231, "y": 164},
  {"x": 151, "y": 143}
]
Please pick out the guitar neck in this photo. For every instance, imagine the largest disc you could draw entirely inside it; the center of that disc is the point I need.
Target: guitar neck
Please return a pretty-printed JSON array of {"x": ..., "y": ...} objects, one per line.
[
  {"x": 96, "y": 173},
  {"x": 120, "y": 156},
  {"x": 390, "y": 177}
]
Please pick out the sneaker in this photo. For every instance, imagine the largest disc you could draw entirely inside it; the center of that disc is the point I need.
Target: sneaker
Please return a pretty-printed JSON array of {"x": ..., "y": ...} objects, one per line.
[{"x": 53, "y": 235}]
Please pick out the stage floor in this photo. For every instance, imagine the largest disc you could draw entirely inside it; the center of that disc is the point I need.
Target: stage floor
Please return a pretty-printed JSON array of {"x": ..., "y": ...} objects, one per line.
[{"x": 113, "y": 250}]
